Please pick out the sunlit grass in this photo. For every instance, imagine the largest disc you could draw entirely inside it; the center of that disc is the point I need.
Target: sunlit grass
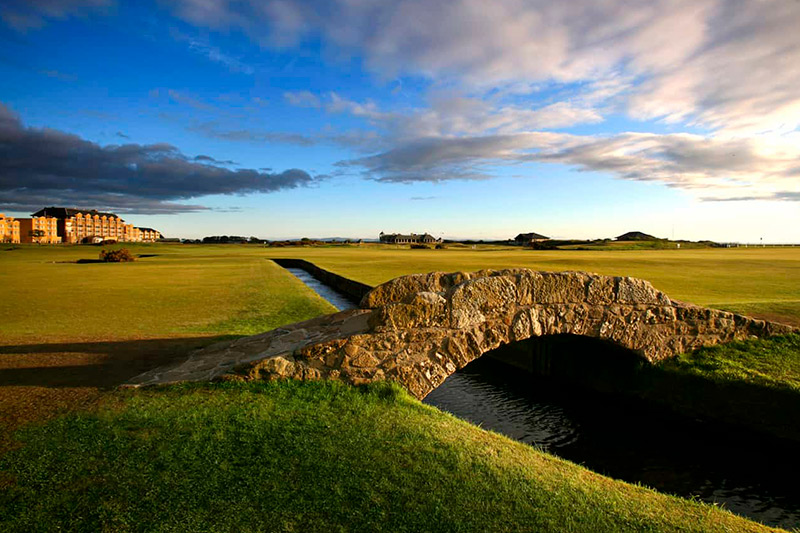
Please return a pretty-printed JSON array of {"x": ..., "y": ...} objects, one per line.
[
  {"x": 319, "y": 456},
  {"x": 761, "y": 281},
  {"x": 773, "y": 363},
  {"x": 179, "y": 290}
]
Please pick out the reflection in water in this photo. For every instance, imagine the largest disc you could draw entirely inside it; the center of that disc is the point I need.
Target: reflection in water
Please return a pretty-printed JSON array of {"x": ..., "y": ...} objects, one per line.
[
  {"x": 626, "y": 440},
  {"x": 621, "y": 437},
  {"x": 338, "y": 300}
]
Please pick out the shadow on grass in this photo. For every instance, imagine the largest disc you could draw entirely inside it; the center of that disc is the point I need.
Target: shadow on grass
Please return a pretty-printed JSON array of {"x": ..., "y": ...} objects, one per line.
[
  {"x": 40, "y": 381},
  {"x": 101, "y": 365}
]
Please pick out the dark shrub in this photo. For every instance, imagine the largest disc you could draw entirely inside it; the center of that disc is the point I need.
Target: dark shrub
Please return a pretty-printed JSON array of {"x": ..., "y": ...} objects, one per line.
[
  {"x": 420, "y": 247},
  {"x": 440, "y": 247},
  {"x": 123, "y": 255}
]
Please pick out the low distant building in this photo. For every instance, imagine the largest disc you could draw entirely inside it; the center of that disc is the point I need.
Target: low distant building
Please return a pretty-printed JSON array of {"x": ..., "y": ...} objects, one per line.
[
  {"x": 39, "y": 230},
  {"x": 636, "y": 236},
  {"x": 146, "y": 234},
  {"x": 527, "y": 238},
  {"x": 412, "y": 238},
  {"x": 9, "y": 229}
]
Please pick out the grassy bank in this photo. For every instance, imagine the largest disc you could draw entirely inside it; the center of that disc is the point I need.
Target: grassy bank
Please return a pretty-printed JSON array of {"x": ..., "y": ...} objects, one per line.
[
  {"x": 310, "y": 457},
  {"x": 755, "y": 384}
]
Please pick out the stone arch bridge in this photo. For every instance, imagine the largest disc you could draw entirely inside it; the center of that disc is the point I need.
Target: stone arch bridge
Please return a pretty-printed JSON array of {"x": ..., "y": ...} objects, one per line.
[{"x": 419, "y": 329}]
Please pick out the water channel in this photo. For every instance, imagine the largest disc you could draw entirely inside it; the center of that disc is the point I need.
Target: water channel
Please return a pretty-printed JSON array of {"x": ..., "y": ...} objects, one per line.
[{"x": 748, "y": 474}]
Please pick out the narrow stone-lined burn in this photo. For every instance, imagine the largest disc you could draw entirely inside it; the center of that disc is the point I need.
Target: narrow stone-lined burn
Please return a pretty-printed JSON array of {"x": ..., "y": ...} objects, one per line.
[{"x": 335, "y": 298}]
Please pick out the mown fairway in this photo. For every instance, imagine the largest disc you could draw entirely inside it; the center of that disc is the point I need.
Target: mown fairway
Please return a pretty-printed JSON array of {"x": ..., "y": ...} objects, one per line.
[
  {"x": 69, "y": 330},
  {"x": 172, "y": 291}
]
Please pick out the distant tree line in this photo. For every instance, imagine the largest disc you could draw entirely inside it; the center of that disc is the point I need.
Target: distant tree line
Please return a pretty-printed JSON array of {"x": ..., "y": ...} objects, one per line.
[{"x": 227, "y": 239}]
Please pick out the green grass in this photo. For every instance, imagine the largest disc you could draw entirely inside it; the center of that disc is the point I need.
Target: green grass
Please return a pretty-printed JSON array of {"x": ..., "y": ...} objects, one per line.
[
  {"x": 190, "y": 289},
  {"x": 294, "y": 456},
  {"x": 182, "y": 290},
  {"x": 772, "y": 363},
  {"x": 761, "y": 281},
  {"x": 635, "y": 245},
  {"x": 753, "y": 384},
  {"x": 69, "y": 332}
]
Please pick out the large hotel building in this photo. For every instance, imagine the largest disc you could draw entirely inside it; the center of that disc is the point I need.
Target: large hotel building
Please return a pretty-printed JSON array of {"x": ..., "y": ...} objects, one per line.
[
  {"x": 9, "y": 229},
  {"x": 53, "y": 225}
]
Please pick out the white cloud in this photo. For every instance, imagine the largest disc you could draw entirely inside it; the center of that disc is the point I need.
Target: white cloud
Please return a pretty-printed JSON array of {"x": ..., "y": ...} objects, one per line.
[
  {"x": 302, "y": 98},
  {"x": 455, "y": 116},
  {"x": 710, "y": 168}
]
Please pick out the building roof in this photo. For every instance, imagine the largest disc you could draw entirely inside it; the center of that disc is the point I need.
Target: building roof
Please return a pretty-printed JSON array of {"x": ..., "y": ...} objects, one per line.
[
  {"x": 147, "y": 229},
  {"x": 409, "y": 236},
  {"x": 68, "y": 212},
  {"x": 529, "y": 237},
  {"x": 636, "y": 236}
]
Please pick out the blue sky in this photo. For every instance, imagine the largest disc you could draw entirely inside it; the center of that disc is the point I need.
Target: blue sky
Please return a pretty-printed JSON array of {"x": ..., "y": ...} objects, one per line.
[{"x": 462, "y": 118}]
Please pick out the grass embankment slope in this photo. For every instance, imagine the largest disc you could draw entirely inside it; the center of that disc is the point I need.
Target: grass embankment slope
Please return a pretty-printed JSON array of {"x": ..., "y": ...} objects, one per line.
[
  {"x": 311, "y": 457},
  {"x": 753, "y": 384},
  {"x": 69, "y": 330},
  {"x": 763, "y": 282}
]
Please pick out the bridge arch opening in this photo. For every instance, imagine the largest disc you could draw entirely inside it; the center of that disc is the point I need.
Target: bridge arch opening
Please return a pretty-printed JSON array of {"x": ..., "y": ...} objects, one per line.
[{"x": 583, "y": 361}]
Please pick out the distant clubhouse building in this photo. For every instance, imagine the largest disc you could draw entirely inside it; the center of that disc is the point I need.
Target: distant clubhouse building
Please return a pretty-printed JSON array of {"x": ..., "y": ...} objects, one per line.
[
  {"x": 412, "y": 238},
  {"x": 527, "y": 238},
  {"x": 52, "y": 225},
  {"x": 9, "y": 229}
]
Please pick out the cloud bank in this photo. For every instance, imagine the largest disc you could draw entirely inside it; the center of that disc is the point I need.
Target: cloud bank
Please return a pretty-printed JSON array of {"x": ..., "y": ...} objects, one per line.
[
  {"x": 725, "y": 64},
  {"x": 716, "y": 169},
  {"x": 41, "y": 167},
  {"x": 506, "y": 77}
]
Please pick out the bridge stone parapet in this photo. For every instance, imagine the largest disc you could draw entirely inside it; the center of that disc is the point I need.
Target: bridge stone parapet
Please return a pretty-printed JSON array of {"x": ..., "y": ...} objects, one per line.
[{"x": 419, "y": 329}]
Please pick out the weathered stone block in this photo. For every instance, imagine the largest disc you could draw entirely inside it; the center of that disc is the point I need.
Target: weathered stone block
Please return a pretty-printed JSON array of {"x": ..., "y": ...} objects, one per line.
[
  {"x": 526, "y": 282},
  {"x": 362, "y": 359},
  {"x": 399, "y": 289},
  {"x": 422, "y": 309},
  {"x": 564, "y": 287},
  {"x": 639, "y": 291},
  {"x": 600, "y": 289},
  {"x": 472, "y": 301},
  {"x": 521, "y": 325}
]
